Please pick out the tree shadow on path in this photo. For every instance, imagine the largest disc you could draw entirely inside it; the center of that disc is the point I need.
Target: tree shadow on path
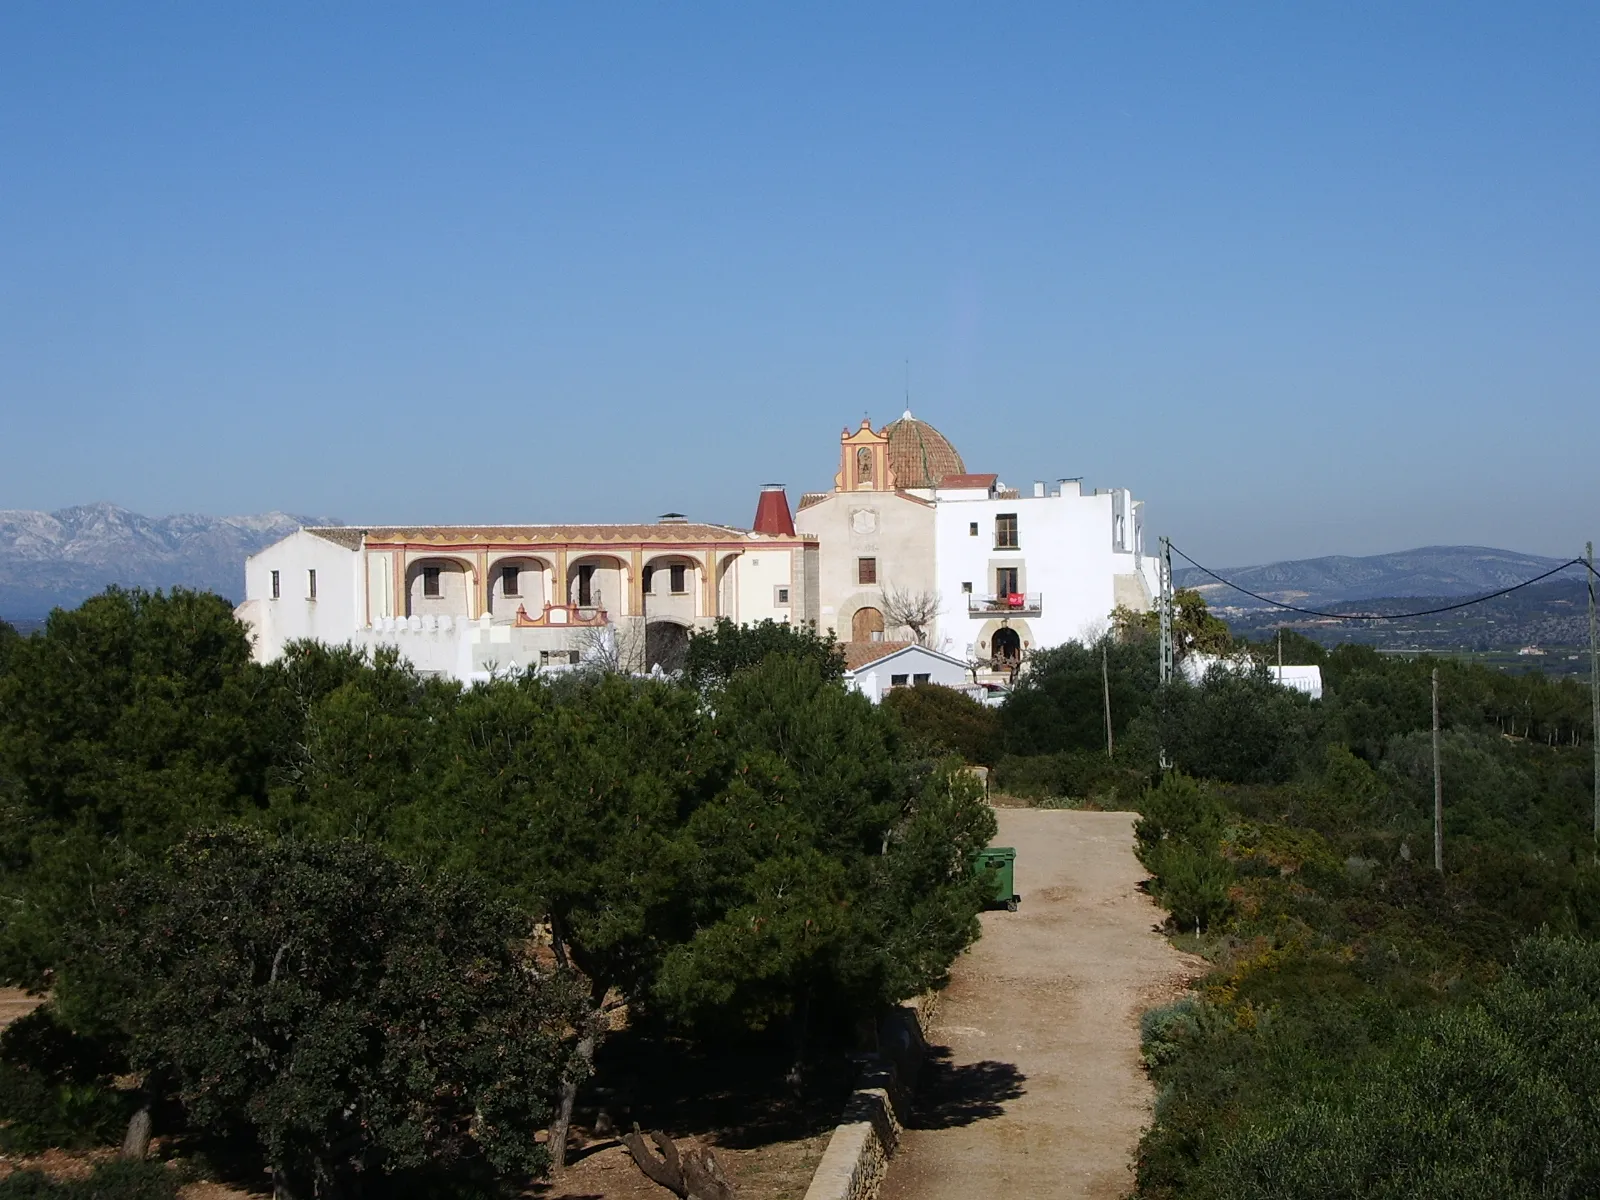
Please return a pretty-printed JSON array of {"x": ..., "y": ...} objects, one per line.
[{"x": 951, "y": 1095}]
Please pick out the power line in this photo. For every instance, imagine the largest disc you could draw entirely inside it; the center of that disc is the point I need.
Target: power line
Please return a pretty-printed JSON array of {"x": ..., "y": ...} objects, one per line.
[{"x": 1427, "y": 612}]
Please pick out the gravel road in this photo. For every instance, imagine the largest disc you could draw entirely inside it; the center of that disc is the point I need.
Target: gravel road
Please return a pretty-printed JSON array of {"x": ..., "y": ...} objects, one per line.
[{"x": 1036, "y": 1088}]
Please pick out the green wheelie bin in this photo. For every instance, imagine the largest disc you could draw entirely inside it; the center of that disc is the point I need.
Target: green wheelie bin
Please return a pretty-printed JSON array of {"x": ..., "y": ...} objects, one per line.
[{"x": 1001, "y": 860}]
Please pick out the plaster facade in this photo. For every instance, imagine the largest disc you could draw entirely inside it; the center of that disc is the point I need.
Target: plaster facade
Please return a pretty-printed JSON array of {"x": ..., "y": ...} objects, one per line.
[
  {"x": 1011, "y": 570},
  {"x": 470, "y": 601}
]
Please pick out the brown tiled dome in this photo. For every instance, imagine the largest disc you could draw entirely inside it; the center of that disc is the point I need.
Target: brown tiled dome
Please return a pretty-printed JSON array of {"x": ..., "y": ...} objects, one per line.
[{"x": 919, "y": 455}]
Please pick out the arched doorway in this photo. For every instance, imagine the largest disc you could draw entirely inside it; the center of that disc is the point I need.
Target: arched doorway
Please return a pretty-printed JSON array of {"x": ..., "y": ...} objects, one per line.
[
  {"x": 666, "y": 645},
  {"x": 1005, "y": 647},
  {"x": 866, "y": 625}
]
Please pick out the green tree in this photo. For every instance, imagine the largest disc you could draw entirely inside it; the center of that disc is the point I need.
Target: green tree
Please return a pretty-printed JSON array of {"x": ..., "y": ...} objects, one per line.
[
  {"x": 1194, "y": 629},
  {"x": 324, "y": 998},
  {"x": 573, "y": 801},
  {"x": 941, "y": 721},
  {"x": 716, "y": 655},
  {"x": 124, "y": 723},
  {"x": 357, "y": 740},
  {"x": 831, "y": 873},
  {"x": 1237, "y": 727},
  {"x": 1059, "y": 702}
]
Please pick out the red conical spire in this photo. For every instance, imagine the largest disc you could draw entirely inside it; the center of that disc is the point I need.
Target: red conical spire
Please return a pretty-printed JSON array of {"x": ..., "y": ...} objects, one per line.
[{"x": 772, "y": 512}]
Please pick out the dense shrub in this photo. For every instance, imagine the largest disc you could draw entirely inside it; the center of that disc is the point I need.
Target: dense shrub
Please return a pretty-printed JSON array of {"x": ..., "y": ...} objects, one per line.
[
  {"x": 941, "y": 720},
  {"x": 1491, "y": 1099},
  {"x": 351, "y": 1017},
  {"x": 1059, "y": 702},
  {"x": 55, "y": 1087},
  {"x": 1080, "y": 774},
  {"x": 1240, "y": 728},
  {"x": 716, "y": 655}
]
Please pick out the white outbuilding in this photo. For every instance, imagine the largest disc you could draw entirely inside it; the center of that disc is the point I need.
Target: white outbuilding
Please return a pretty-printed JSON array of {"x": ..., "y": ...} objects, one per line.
[{"x": 876, "y": 668}]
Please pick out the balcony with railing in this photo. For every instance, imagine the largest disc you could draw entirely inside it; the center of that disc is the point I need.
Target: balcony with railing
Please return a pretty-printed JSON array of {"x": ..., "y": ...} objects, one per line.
[{"x": 1007, "y": 604}]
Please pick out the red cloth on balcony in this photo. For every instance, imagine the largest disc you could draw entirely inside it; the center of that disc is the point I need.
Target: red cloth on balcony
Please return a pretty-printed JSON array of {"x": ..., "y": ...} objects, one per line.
[{"x": 1015, "y": 600}]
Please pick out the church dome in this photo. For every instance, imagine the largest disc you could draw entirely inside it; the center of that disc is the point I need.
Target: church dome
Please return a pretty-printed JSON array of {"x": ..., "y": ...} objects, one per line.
[{"x": 919, "y": 455}]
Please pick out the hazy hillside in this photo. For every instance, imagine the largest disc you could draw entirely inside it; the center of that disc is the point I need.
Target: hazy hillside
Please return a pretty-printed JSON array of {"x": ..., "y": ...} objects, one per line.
[
  {"x": 49, "y": 559},
  {"x": 1429, "y": 571}
]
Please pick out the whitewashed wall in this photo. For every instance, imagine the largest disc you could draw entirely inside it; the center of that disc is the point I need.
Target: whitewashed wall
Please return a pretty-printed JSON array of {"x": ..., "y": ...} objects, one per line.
[
  {"x": 1065, "y": 554},
  {"x": 333, "y": 616}
]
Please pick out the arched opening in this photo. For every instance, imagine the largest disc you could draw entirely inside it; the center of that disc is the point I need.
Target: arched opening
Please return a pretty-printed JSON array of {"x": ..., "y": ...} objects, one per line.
[
  {"x": 866, "y": 625},
  {"x": 517, "y": 581},
  {"x": 438, "y": 587},
  {"x": 666, "y": 645},
  {"x": 670, "y": 585},
  {"x": 1006, "y": 647},
  {"x": 597, "y": 581}
]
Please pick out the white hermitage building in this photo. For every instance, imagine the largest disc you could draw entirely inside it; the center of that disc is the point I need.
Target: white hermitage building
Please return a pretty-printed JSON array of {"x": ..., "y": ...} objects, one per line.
[
  {"x": 996, "y": 571},
  {"x": 1002, "y": 570},
  {"x": 467, "y": 601}
]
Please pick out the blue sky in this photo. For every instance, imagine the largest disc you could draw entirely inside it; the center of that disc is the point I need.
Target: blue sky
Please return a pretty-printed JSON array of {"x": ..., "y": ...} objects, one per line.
[{"x": 1308, "y": 278}]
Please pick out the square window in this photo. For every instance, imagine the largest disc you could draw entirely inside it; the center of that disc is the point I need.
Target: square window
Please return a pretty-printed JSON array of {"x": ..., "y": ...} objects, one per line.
[
  {"x": 544, "y": 658},
  {"x": 1005, "y": 581},
  {"x": 680, "y": 579},
  {"x": 781, "y": 597},
  {"x": 967, "y": 588},
  {"x": 866, "y": 570},
  {"x": 899, "y": 680},
  {"x": 572, "y": 658},
  {"x": 922, "y": 677},
  {"x": 311, "y": 585},
  {"x": 972, "y": 529},
  {"x": 430, "y": 582},
  {"x": 277, "y": 586},
  {"x": 1005, "y": 531},
  {"x": 510, "y": 581}
]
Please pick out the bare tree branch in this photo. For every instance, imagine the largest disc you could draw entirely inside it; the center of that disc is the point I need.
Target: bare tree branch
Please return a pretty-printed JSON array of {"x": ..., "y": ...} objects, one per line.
[{"x": 915, "y": 610}]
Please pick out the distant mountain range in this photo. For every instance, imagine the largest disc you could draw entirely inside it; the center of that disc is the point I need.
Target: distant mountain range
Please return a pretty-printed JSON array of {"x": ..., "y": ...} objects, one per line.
[
  {"x": 1435, "y": 571},
  {"x": 60, "y": 558}
]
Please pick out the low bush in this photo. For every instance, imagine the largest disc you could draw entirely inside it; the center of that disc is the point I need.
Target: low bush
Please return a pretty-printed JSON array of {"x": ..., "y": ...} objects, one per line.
[
  {"x": 116, "y": 1180},
  {"x": 1081, "y": 775},
  {"x": 940, "y": 720},
  {"x": 55, "y": 1087}
]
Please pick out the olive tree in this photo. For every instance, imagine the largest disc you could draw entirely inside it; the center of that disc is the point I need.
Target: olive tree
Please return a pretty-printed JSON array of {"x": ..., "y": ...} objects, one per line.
[{"x": 352, "y": 1017}]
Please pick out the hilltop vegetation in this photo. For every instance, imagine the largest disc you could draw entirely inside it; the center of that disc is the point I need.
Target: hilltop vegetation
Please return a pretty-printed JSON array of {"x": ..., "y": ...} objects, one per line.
[
  {"x": 374, "y": 925},
  {"x": 1369, "y": 1027}
]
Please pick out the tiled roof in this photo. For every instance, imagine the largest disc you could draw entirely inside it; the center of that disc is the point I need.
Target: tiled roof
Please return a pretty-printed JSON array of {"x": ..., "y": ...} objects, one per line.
[
  {"x": 810, "y": 498},
  {"x": 349, "y": 538},
  {"x": 668, "y": 532},
  {"x": 859, "y": 654},
  {"x": 968, "y": 481},
  {"x": 919, "y": 455}
]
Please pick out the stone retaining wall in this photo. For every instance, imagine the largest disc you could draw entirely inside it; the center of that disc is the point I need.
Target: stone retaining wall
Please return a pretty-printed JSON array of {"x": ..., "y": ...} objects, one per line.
[{"x": 858, "y": 1153}]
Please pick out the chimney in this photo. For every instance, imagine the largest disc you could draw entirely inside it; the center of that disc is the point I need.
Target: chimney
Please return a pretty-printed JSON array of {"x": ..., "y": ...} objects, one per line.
[{"x": 772, "y": 512}]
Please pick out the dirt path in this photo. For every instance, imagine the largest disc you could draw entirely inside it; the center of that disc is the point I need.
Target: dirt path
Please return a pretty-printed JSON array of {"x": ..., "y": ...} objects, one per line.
[
  {"x": 1036, "y": 1090},
  {"x": 14, "y": 1003}
]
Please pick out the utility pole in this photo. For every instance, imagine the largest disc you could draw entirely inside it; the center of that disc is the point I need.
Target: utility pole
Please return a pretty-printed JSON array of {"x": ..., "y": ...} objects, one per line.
[
  {"x": 1105, "y": 687},
  {"x": 1165, "y": 571},
  {"x": 1594, "y": 688},
  {"x": 1280, "y": 655},
  {"x": 1438, "y": 785}
]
